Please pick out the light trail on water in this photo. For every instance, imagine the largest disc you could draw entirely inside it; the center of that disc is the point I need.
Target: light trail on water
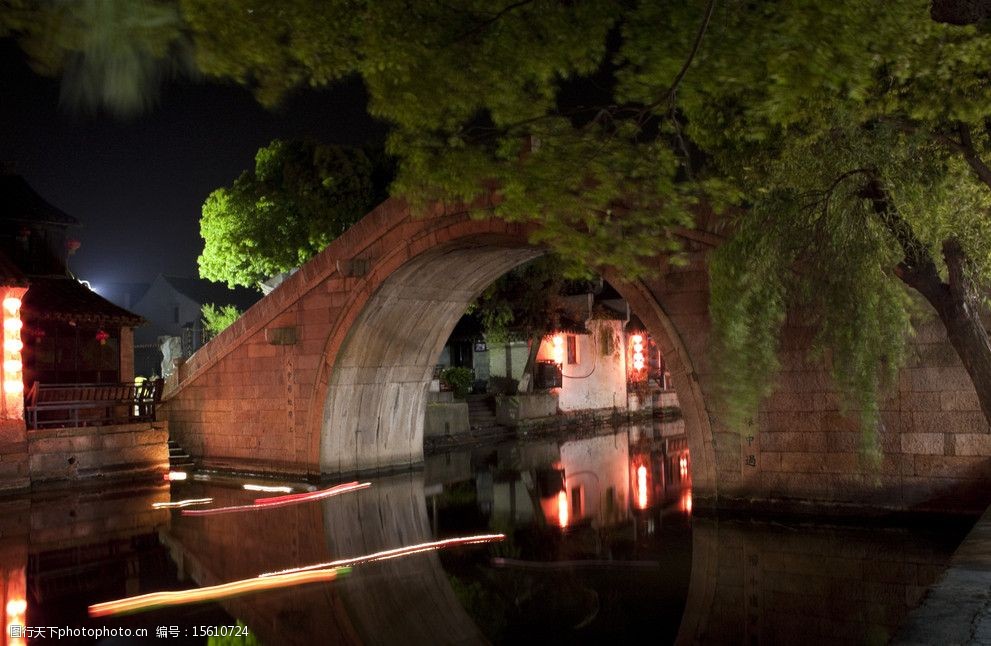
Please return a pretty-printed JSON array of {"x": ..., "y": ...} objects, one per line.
[
  {"x": 394, "y": 553},
  {"x": 281, "y": 501}
]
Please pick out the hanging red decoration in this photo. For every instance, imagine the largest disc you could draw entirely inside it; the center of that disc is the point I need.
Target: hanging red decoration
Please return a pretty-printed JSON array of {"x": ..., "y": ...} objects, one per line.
[{"x": 102, "y": 337}]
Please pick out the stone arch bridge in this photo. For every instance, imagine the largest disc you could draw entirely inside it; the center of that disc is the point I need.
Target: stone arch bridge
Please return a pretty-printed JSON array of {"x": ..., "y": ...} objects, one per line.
[{"x": 328, "y": 375}]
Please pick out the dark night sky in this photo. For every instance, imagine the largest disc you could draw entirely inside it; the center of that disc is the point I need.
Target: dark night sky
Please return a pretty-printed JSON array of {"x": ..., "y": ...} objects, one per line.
[{"x": 137, "y": 185}]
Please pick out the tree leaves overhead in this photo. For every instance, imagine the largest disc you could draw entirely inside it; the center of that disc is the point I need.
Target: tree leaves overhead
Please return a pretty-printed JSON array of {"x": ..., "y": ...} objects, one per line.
[
  {"x": 111, "y": 54},
  {"x": 472, "y": 94},
  {"x": 787, "y": 111},
  {"x": 297, "y": 199},
  {"x": 522, "y": 303}
]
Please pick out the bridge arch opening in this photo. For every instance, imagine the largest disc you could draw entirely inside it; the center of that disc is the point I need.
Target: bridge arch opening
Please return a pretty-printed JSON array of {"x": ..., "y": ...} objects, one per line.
[{"x": 376, "y": 392}]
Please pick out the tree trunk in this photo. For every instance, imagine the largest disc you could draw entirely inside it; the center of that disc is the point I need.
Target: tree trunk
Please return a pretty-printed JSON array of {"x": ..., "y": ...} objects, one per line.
[
  {"x": 958, "y": 308},
  {"x": 529, "y": 374},
  {"x": 956, "y": 302}
]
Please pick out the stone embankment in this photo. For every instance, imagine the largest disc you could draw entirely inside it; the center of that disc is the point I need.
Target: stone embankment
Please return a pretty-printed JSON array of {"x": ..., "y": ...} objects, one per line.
[{"x": 957, "y": 609}]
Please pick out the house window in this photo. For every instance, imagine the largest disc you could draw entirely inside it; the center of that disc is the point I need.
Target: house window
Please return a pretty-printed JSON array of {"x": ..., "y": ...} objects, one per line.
[
  {"x": 572, "y": 349},
  {"x": 56, "y": 352},
  {"x": 576, "y": 502}
]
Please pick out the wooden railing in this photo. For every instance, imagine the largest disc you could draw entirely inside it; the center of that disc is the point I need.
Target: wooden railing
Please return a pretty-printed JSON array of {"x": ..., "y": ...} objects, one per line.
[{"x": 53, "y": 405}]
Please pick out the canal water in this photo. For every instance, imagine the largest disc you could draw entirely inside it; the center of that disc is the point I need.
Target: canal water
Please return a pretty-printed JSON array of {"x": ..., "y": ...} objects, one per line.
[{"x": 587, "y": 538}]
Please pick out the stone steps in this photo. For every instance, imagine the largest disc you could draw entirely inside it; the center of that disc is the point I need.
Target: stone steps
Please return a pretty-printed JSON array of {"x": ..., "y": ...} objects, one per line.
[
  {"x": 481, "y": 413},
  {"x": 178, "y": 458}
]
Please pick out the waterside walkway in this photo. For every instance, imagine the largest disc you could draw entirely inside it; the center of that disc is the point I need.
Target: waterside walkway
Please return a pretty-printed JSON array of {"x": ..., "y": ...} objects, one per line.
[{"x": 957, "y": 609}]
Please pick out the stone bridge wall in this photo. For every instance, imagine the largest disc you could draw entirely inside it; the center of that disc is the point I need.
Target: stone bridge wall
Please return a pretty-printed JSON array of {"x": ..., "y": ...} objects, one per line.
[
  {"x": 329, "y": 374},
  {"x": 805, "y": 452}
]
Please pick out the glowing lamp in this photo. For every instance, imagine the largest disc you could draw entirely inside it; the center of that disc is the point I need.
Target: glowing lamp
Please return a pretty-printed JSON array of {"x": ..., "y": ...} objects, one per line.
[
  {"x": 11, "y": 304},
  {"x": 683, "y": 466},
  {"x": 13, "y": 378},
  {"x": 558, "y": 342},
  {"x": 17, "y": 606},
  {"x": 637, "y": 359}
]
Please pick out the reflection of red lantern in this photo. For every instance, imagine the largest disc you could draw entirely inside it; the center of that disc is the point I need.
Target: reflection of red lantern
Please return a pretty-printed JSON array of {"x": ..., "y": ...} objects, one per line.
[
  {"x": 642, "y": 486},
  {"x": 102, "y": 337},
  {"x": 562, "y": 509},
  {"x": 640, "y": 472}
]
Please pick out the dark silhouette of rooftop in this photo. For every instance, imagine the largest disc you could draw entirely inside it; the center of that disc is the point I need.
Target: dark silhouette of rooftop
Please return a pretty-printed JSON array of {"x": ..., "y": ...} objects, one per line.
[{"x": 204, "y": 291}]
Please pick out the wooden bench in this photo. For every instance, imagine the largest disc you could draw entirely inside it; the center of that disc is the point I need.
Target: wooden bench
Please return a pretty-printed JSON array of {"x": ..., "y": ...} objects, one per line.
[{"x": 48, "y": 405}]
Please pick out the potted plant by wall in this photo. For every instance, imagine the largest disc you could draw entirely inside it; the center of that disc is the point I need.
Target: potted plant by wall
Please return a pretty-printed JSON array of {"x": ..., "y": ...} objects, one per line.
[{"x": 459, "y": 379}]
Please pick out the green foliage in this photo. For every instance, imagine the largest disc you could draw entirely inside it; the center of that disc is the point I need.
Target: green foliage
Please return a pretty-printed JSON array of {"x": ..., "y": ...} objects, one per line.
[
  {"x": 520, "y": 303},
  {"x": 459, "y": 379},
  {"x": 216, "y": 319},
  {"x": 111, "y": 54},
  {"x": 472, "y": 95},
  {"x": 296, "y": 200},
  {"x": 572, "y": 114},
  {"x": 801, "y": 146}
]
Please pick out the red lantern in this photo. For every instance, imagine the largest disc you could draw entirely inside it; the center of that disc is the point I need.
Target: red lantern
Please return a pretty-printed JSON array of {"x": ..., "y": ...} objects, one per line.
[{"x": 102, "y": 337}]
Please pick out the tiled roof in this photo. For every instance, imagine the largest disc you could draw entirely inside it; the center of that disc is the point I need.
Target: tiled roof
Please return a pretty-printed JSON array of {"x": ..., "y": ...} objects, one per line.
[
  {"x": 563, "y": 323},
  {"x": 65, "y": 299},
  {"x": 18, "y": 201}
]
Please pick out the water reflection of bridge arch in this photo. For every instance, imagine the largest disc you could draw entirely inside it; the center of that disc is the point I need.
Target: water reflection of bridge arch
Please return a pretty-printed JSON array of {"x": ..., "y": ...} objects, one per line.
[
  {"x": 369, "y": 316},
  {"x": 744, "y": 578}
]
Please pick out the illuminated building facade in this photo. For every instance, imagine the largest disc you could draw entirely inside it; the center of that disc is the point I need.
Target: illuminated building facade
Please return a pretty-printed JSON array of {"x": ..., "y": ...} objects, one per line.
[{"x": 63, "y": 331}]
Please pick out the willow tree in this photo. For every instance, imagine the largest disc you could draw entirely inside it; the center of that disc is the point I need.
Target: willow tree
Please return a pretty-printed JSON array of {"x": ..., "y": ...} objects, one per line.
[
  {"x": 860, "y": 164},
  {"x": 849, "y": 137}
]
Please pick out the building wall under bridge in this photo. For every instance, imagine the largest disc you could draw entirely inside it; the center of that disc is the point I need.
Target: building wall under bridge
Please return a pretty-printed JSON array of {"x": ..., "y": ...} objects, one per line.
[{"x": 329, "y": 373}]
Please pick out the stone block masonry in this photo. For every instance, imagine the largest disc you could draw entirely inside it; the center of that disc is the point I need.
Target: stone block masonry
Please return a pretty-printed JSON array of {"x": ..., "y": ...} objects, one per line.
[
  {"x": 120, "y": 451},
  {"x": 346, "y": 391}
]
